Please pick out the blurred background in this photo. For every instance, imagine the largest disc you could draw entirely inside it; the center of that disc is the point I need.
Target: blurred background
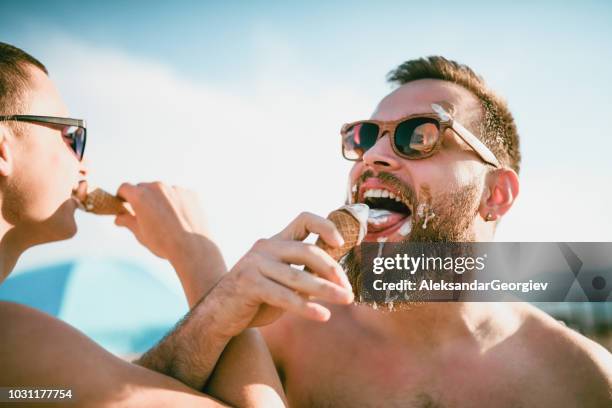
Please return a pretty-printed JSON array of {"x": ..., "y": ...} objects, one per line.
[{"x": 243, "y": 102}]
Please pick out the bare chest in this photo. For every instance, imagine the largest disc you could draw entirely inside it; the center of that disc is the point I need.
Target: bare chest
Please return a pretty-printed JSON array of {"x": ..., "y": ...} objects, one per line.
[{"x": 334, "y": 369}]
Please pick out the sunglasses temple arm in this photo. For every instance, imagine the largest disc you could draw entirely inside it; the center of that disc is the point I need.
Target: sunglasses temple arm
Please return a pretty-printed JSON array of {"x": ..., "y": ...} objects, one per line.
[{"x": 483, "y": 151}]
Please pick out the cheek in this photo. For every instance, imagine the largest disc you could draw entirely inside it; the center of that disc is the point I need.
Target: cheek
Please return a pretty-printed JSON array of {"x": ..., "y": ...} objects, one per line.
[
  {"x": 464, "y": 173},
  {"x": 355, "y": 172},
  {"x": 45, "y": 176},
  {"x": 444, "y": 176}
]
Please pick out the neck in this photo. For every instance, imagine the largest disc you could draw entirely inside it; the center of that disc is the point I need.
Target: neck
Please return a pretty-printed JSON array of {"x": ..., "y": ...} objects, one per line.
[
  {"x": 484, "y": 231},
  {"x": 12, "y": 245},
  {"x": 432, "y": 325}
]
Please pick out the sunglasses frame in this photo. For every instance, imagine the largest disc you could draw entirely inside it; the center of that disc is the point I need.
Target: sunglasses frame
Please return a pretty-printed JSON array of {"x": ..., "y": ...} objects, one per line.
[
  {"x": 53, "y": 120},
  {"x": 445, "y": 121}
]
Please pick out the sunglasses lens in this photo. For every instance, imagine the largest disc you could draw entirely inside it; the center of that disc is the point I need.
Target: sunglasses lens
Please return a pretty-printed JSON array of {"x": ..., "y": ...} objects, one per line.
[
  {"x": 76, "y": 135},
  {"x": 416, "y": 138},
  {"x": 357, "y": 139}
]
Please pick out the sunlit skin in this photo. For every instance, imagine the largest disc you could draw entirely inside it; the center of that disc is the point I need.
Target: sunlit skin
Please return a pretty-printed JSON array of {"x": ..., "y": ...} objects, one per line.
[
  {"x": 38, "y": 174},
  {"x": 455, "y": 165},
  {"x": 438, "y": 354},
  {"x": 441, "y": 354},
  {"x": 37, "y": 204}
]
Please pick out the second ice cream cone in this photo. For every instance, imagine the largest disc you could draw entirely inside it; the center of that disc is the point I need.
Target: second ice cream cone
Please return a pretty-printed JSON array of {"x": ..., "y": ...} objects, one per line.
[
  {"x": 351, "y": 222},
  {"x": 101, "y": 202}
]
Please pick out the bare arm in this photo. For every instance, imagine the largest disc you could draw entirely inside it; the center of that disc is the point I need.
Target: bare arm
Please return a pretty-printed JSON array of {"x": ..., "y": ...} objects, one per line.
[
  {"x": 244, "y": 373},
  {"x": 167, "y": 221},
  {"x": 260, "y": 287},
  {"x": 39, "y": 350},
  {"x": 190, "y": 352},
  {"x": 239, "y": 365}
]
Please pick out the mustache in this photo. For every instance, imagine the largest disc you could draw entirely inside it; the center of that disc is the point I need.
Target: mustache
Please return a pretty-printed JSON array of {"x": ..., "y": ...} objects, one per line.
[{"x": 405, "y": 190}]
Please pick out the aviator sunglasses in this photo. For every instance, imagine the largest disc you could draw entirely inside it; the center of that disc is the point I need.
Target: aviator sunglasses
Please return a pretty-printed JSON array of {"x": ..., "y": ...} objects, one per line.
[
  {"x": 413, "y": 137},
  {"x": 75, "y": 130}
]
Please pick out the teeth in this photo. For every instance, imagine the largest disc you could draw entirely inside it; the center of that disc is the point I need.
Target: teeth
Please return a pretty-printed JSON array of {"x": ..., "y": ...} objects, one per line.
[
  {"x": 376, "y": 193},
  {"x": 382, "y": 193}
]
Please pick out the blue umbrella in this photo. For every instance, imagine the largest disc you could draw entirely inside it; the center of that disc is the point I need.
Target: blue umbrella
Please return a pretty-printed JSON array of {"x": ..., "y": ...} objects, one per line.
[{"x": 118, "y": 304}]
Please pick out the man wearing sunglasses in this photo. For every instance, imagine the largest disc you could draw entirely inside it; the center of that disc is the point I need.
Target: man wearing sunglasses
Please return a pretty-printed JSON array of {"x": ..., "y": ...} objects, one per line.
[
  {"x": 41, "y": 167},
  {"x": 437, "y": 162}
]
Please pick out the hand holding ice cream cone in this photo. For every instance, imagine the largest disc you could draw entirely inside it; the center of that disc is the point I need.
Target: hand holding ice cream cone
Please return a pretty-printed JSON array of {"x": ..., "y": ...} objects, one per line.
[{"x": 99, "y": 201}]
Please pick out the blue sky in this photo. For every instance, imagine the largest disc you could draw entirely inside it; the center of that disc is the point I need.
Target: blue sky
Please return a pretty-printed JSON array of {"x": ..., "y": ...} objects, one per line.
[{"x": 145, "y": 74}]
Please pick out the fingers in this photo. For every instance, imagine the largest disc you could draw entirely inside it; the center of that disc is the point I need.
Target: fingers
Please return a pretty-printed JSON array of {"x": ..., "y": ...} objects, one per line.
[
  {"x": 305, "y": 283},
  {"x": 134, "y": 194},
  {"x": 307, "y": 223},
  {"x": 126, "y": 220},
  {"x": 279, "y": 296},
  {"x": 129, "y": 192},
  {"x": 299, "y": 253}
]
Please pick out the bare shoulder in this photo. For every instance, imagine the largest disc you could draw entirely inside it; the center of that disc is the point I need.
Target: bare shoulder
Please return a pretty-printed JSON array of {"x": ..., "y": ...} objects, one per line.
[
  {"x": 586, "y": 365},
  {"x": 37, "y": 349}
]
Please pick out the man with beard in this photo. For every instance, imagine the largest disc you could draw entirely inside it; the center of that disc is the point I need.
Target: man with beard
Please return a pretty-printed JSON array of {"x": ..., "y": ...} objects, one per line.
[{"x": 425, "y": 181}]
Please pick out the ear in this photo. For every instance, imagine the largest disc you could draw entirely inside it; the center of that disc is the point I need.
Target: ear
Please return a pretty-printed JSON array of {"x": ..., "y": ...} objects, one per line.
[
  {"x": 502, "y": 188},
  {"x": 6, "y": 158}
]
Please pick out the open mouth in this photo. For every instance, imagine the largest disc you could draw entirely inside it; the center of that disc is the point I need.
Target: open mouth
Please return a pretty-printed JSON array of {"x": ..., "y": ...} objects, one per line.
[{"x": 390, "y": 215}]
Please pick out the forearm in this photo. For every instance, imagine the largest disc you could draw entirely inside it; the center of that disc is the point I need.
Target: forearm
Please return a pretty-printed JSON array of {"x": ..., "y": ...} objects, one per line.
[
  {"x": 190, "y": 352},
  {"x": 199, "y": 266},
  {"x": 245, "y": 375}
]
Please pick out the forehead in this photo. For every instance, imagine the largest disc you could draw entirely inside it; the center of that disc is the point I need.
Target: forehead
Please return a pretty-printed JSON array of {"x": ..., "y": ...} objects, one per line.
[
  {"x": 417, "y": 97},
  {"x": 43, "y": 98}
]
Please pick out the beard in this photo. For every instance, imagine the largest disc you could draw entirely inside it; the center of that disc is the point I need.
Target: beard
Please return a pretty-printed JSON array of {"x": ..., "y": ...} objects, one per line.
[{"x": 446, "y": 217}]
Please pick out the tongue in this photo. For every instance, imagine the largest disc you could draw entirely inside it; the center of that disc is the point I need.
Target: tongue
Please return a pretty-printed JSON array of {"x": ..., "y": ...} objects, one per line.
[{"x": 382, "y": 219}]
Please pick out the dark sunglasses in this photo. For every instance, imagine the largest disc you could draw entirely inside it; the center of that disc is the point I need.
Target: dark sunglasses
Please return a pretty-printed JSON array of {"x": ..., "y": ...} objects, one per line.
[
  {"x": 412, "y": 137},
  {"x": 74, "y": 130}
]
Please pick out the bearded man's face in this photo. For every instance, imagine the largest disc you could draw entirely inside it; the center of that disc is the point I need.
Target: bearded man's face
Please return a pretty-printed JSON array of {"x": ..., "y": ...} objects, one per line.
[{"x": 436, "y": 199}]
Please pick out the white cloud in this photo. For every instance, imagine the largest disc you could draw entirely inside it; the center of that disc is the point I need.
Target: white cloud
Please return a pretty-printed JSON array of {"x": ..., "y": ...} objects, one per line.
[{"x": 258, "y": 156}]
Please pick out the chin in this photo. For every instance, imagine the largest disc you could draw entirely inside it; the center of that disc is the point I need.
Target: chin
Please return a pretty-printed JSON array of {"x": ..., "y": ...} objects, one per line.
[
  {"x": 70, "y": 229},
  {"x": 66, "y": 227},
  {"x": 60, "y": 226}
]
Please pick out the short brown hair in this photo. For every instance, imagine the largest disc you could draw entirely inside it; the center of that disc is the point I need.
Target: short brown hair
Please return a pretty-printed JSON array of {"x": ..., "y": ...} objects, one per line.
[
  {"x": 496, "y": 123},
  {"x": 15, "y": 80}
]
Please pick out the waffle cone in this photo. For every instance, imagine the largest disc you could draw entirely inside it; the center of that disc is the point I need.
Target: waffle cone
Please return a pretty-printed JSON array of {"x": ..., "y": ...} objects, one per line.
[
  {"x": 349, "y": 228},
  {"x": 101, "y": 202}
]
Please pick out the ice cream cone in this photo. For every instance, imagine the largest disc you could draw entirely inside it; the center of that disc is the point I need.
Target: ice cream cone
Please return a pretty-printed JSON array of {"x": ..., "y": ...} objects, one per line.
[
  {"x": 101, "y": 202},
  {"x": 351, "y": 221}
]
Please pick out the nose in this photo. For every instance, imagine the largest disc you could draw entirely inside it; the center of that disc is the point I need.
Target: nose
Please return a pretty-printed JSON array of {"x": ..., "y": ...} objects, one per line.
[{"x": 381, "y": 156}]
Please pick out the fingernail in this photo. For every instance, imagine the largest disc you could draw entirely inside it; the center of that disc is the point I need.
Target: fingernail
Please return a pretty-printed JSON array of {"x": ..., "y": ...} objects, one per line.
[{"x": 344, "y": 294}]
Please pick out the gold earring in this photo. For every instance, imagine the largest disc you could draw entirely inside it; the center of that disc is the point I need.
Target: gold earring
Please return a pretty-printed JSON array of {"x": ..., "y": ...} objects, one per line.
[{"x": 488, "y": 217}]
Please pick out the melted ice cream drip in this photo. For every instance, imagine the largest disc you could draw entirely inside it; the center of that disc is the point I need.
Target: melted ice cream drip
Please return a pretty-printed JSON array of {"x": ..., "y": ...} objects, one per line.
[{"x": 378, "y": 216}]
